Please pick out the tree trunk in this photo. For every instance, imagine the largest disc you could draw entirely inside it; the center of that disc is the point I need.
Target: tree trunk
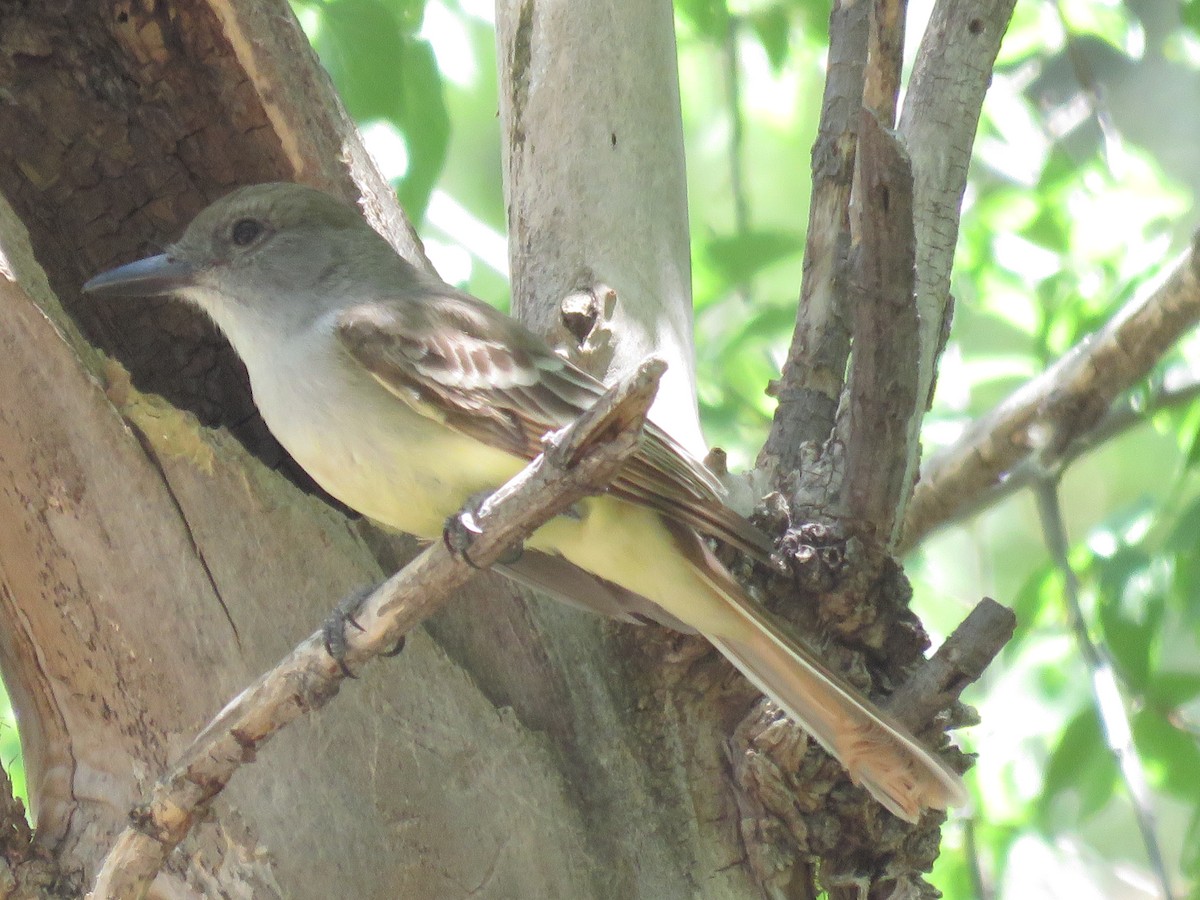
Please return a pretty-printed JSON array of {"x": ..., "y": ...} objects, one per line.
[{"x": 596, "y": 189}]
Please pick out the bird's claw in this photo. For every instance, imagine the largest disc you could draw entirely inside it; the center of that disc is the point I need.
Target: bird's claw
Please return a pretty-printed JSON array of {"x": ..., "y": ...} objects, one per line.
[
  {"x": 463, "y": 527},
  {"x": 333, "y": 630}
]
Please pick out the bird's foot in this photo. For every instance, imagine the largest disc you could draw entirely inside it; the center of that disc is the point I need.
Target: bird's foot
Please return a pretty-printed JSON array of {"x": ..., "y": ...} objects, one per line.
[
  {"x": 333, "y": 629},
  {"x": 462, "y": 528}
]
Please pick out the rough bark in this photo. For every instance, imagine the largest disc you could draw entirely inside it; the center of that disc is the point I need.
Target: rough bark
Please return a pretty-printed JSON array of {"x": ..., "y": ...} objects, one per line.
[
  {"x": 791, "y": 801},
  {"x": 950, "y": 76},
  {"x": 882, "y": 389},
  {"x": 813, "y": 376},
  {"x": 844, "y": 444}
]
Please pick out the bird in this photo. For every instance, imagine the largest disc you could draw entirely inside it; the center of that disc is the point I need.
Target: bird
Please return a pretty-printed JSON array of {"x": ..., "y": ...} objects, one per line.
[{"x": 403, "y": 397}]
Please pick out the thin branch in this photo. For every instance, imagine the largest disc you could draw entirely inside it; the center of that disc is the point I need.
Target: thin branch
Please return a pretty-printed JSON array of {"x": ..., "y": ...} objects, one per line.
[
  {"x": 1092, "y": 90},
  {"x": 733, "y": 97},
  {"x": 974, "y": 869},
  {"x": 810, "y": 385},
  {"x": 1124, "y": 416},
  {"x": 1110, "y": 706},
  {"x": 961, "y": 659},
  {"x": 1040, "y": 420},
  {"x": 578, "y": 461}
]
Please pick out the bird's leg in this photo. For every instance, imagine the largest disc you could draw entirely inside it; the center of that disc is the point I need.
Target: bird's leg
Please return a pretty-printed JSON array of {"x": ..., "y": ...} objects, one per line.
[
  {"x": 334, "y": 627},
  {"x": 458, "y": 534},
  {"x": 462, "y": 528}
]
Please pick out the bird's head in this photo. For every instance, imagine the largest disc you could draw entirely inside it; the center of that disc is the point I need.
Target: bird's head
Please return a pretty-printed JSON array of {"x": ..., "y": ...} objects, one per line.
[{"x": 279, "y": 251}]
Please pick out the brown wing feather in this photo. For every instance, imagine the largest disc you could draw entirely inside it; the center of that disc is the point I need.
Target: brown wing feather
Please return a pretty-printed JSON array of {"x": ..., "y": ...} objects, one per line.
[{"x": 463, "y": 363}]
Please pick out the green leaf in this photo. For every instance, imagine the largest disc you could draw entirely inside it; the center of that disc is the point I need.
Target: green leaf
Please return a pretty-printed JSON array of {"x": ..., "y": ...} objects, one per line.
[
  {"x": 709, "y": 17},
  {"x": 1130, "y": 610},
  {"x": 384, "y": 72},
  {"x": 1184, "y": 547},
  {"x": 1006, "y": 209},
  {"x": 1060, "y": 171},
  {"x": 425, "y": 123},
  {"x": 1080, "y": 761},
  {"x": 1108, "y": 20},
  {"x": 1171, "y": 755},
  {"x": 1190, "y": 862},
  {"x": 758, "y": 325},
  {"x": 1130, "y": 644},
  {"x": 814, "y": 18},
  {"x": 773, "y": 27},
  {"x": 738, "y": 258},
  {"x": 1033, "y": 29},
  {"x": 1035, "y": 602},
  {"x": 1192, "y": 456},
  {"x": 1173, "y": 689},
  {"x": 410, "y": 14},
  {"x": 1183, "y": 536},
  {"x": 1189, "y": 14},
  {"x": 1048, "y": 230},
  {"x": 360, "y": 44}
]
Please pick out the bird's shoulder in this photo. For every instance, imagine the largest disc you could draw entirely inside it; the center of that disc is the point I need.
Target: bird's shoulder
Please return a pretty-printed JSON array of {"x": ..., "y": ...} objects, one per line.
[{"x": 439, "y": 333}]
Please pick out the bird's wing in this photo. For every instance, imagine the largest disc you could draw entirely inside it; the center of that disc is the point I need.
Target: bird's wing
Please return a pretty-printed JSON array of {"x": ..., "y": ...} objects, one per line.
[{"x": 457, "y": 360}]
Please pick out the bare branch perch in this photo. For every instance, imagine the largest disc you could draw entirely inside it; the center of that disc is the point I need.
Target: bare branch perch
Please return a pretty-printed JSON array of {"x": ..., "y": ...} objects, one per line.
[
  {"x": 578, "y": 461},
  {"x": 1040, "y": 420},
  {"x": 1106, "y": 694},
  {"x": 1124, "y": 415}
]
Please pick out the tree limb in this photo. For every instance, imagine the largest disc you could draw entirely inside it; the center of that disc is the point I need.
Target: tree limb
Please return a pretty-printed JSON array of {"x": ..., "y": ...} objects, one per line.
[
  {"x": 945, "y": 93},
  {"x": 961, "y": 659},
  {"x": 883, "y": 379},
  {"x": 885, "y": 59},
  {"x": 593, "y": 137},
  {"x": 578, "y": 461},
  {"x": 810, "y": 385},
  {"x": 1124, "y": 415},
  {"x": 1039, "y": 421}
]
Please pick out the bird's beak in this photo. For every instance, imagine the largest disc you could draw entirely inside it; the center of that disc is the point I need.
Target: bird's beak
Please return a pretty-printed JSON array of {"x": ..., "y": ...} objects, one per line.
[{"x": 162, "y": 274}]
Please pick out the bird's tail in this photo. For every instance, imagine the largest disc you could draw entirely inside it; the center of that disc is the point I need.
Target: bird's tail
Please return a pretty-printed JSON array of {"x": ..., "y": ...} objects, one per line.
[{"x": 877, "y": 751}]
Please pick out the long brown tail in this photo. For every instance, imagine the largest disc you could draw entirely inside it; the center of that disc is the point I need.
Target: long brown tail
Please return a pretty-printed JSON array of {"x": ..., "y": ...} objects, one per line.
[{"x": 877, "y": 751}]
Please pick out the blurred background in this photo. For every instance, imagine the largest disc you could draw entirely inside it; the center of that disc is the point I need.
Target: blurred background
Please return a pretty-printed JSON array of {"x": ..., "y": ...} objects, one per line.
[{"x": 1080, "y": 197}]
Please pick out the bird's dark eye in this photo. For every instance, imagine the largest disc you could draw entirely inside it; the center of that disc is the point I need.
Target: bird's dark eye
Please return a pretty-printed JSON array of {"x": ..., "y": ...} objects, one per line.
[{"x": 246, "y": 231}]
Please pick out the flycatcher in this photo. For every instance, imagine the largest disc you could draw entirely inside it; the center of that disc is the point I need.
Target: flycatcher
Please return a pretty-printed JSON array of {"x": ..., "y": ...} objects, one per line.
[{"x": 404, "y": 397}]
